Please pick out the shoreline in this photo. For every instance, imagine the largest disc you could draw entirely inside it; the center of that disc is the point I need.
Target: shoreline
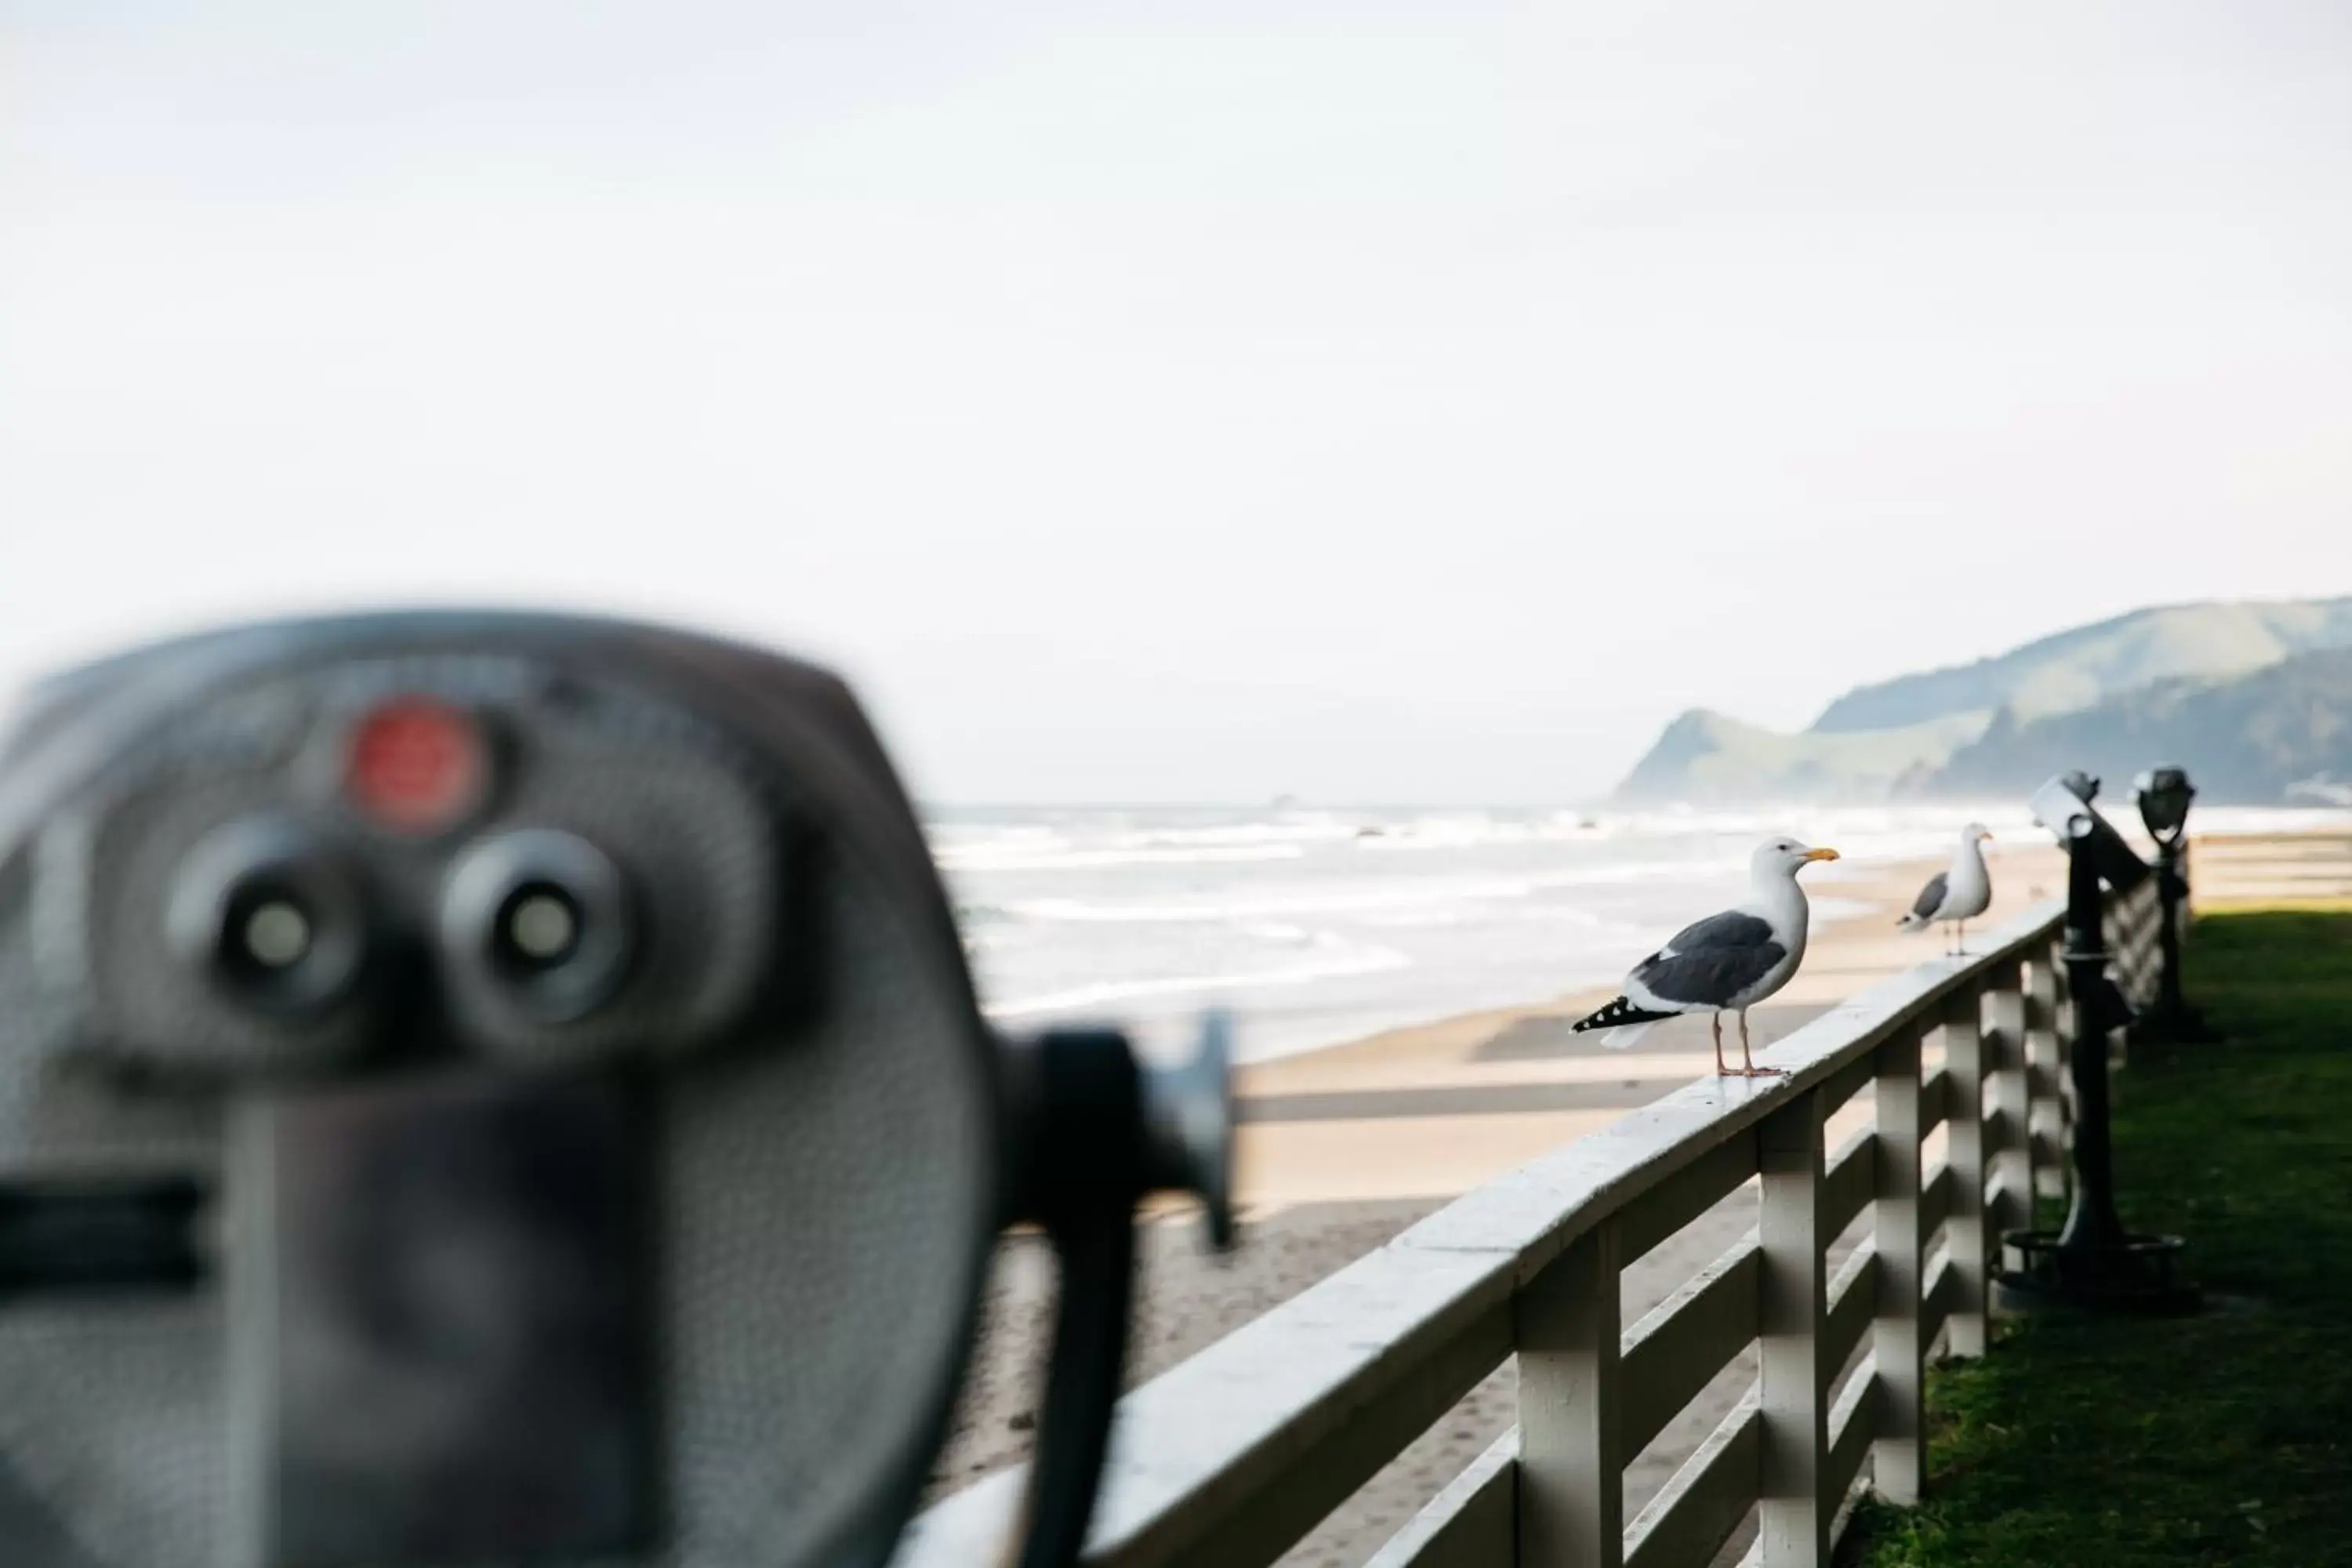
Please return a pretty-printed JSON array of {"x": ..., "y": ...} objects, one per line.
[
  {"x": 1318, "y": 938},
  {"x": 1317, "y": 935}
]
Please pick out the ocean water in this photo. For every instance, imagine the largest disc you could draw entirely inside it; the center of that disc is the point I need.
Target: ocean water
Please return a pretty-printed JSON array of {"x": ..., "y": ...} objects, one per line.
[{"x": 1319, "y": 926}]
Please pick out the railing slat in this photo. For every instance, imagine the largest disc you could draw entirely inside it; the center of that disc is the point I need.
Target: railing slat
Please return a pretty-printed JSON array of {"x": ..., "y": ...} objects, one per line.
[
  {"x": 2052, "y": 1105},
  {"x": 1793, "y": 1510},
  {"x": 2009, "y": 1165},
  {"x": 1844, "y": 1084},
  {"x": 2047, "y": 1098},
  {"x": 1653, "y": 1217},
  {"x": 1898, "y": 1458},
  {"x": 1966, "y": 1236},
  {"x": 1854, "y": 1298},
  {"x": 1935, "y": 1200},
  {"x": 1696, "y": 1512},
  {"x": 1935, "y": 1092},
  {"x": 1936, "y": 1311},
  {"x": 1679, "y": 1348},
  {"x": 2004, "y": 1197},
  {"x": 1854, "y": 1422},
  {"x": 1847, "y": 1185},
  {"x": 2042, "y": 1077},
  {"x": 1571, "y": 1486},
  {"x": 2040, "y": 1070},
  {"x": 1470, "y": 1523},
  {"x": 2026, "y": 1021},
  {"x": 2000, "y": 1129}
]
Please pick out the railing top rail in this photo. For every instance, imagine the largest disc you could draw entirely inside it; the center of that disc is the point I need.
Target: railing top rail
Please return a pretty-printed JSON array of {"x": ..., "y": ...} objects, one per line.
[{"x": 1238, "y": 1417}]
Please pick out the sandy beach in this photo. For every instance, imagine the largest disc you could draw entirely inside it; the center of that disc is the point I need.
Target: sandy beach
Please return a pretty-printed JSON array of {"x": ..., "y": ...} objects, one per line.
[{"x": 1342, "y": 1148}]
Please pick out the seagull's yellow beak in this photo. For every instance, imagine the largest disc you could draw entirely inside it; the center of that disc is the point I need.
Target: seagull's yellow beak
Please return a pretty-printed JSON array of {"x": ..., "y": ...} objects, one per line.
[
  {"x": 1811, "y": 855},
  {"x": 1986, "y": 836}
]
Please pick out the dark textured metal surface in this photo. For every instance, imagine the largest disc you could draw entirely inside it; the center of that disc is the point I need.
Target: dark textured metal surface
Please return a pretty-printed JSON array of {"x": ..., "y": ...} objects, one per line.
[
  {"x": 795, "y": 1018},
  {"x": 469, "y": 1262}
]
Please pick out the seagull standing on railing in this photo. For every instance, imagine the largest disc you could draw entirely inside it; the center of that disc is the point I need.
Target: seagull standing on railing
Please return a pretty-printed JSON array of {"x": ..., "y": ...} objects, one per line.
[
  {"x": 1953, "y": 898},
  {"x": 1727, "y": 962}
]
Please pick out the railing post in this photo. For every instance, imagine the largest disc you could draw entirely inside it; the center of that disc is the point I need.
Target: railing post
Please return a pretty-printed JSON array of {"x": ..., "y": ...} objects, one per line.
[
  {"x": 1967, "y": 1242},
  {"x": 1898, "y": 1456},
  {"x": 1791, "y": 1303},
  {"x": 1571, "y": 1491},
  {"x": 2117, "y": 933},
  {"x": 2067, "y": 1029},
  {"x": 2009, "y": 1162},
  {"x": 2040, "y": 1069}
]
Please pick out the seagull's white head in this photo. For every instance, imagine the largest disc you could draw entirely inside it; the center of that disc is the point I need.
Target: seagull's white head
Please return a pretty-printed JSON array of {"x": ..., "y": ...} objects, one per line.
[
  {"x": 1784, "y": 857},
  {"x": 1975, "y": 832}
]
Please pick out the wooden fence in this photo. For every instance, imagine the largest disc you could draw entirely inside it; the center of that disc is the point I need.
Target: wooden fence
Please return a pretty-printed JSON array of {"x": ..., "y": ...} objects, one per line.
[{"x": 1232, "y": 1456}]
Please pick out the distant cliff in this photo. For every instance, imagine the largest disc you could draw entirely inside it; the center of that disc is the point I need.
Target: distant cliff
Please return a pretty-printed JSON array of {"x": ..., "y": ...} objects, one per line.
[
  {"x": 1711, "y": 759},
  {"x": 2263, "y": 739},
  {"x": 2183, "y": 681},
  {"x": 2076, "y": 669}
]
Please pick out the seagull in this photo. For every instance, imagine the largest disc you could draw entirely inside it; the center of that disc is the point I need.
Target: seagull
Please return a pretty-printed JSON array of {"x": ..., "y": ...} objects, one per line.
[
  {"x": 1729, "y": 962},
  {"x": 1955, "y": 897}
]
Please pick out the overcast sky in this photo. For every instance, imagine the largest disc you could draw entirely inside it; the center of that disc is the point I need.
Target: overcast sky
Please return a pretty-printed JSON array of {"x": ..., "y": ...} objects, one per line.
[{"x": 1396, "y": 403}]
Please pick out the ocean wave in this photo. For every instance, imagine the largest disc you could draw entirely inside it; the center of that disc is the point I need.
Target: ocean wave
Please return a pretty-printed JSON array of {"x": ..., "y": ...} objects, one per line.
[
  {"x": 995, "y": 858},
  {"x": 1082, "y": 841},
  {"x": 1116, "y": 840},
  {"x": 1473, "y": 831},
  {"x": 1399, "y": 895},
  {"x": 1030, "y": 846},
  {"x": 1437, "y": 917},
  {"x": 1345, "y": 961}
]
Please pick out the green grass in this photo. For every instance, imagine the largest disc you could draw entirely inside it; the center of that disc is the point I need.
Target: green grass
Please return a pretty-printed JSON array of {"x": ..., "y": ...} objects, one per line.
[{"x": 2223, "y": 1438}]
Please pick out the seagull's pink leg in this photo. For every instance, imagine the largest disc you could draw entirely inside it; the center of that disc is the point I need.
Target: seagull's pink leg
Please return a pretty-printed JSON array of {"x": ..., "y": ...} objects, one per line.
[
  {"x": 1748, "y": 1061},
  {"x": 1715, "y": 1023}
]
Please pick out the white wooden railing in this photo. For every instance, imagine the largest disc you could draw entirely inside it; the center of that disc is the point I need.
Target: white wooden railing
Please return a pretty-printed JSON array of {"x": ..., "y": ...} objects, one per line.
[{"x": 1953, "y": 1070}]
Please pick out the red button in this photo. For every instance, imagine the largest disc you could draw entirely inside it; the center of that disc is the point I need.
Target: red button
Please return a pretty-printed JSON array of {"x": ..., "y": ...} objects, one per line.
[{"x": 415, "y": 766}]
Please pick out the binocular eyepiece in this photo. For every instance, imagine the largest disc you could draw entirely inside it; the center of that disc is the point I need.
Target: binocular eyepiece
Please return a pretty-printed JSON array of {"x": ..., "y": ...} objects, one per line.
[{"x": 508, "y": 1088}]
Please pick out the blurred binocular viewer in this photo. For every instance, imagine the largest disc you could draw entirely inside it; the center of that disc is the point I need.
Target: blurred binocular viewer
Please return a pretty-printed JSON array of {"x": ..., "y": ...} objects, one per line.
[{"x": 503, "y": 1089}]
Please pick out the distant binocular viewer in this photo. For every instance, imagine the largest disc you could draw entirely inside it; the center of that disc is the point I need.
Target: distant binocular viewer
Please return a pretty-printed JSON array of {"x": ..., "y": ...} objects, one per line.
[
  {"x": 489, "y": 1090},
  {"x": 2095, "y": 853}
]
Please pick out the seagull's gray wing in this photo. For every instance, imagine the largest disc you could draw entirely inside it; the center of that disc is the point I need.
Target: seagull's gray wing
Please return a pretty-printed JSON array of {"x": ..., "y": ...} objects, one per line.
[
  {"x": 1706, "y": 965},
  {"x": 1931, "y": 897}
]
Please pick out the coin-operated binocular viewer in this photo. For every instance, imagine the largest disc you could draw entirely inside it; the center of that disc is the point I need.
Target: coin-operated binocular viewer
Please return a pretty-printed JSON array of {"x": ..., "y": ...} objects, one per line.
[
  {"x": 502, "y": 1089},
  {"x": 2093, "y": 1261}
]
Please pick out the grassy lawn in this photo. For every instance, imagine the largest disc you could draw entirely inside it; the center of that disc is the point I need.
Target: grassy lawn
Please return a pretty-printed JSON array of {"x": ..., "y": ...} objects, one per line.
[{"x": 2225, "y": 1439}]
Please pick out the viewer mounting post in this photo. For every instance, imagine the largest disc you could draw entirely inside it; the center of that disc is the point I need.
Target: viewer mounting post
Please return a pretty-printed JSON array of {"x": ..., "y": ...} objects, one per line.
[
  {"x": 2164, "y": 796},
  {"x": 2093, "y": 1262}
]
